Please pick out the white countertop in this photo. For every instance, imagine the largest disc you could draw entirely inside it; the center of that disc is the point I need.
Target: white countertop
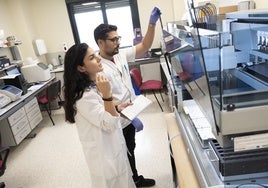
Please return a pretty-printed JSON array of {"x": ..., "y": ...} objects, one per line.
[{"x": 58, "y": 69}]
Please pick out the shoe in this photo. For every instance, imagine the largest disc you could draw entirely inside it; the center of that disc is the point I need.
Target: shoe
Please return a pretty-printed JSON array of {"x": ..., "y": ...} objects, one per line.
[{"x": 144, "y": 182}]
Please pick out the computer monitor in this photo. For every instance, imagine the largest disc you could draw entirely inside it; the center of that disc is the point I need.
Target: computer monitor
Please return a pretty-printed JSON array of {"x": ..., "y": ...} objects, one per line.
[
  {"x": 12, "y": 71},
  {"x": 18, "y": 81}
]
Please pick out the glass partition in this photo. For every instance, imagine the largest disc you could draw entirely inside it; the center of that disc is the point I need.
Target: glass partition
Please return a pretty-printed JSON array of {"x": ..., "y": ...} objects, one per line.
[
  {"x": 185, "y": 51},
  {"x": 225, "y": 72}
]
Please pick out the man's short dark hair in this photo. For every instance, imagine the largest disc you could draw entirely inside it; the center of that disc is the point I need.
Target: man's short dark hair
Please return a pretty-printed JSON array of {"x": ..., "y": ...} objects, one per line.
[{"x": 101, "y": 31}]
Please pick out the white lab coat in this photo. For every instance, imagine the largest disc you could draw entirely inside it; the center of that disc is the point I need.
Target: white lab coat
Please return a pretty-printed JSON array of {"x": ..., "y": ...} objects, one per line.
[
  {"x": 119, "y": 77},
  {"x": 103, "y": 143}
]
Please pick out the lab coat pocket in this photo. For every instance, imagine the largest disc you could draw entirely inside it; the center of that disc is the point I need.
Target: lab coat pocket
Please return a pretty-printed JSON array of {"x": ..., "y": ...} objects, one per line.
[{"x": 116, "y": 166}]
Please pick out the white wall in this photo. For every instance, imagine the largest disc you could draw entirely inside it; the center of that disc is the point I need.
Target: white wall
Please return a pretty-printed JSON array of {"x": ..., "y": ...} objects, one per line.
[
  {"x": 179, "y": 9},
  {"x": 145, "y": 8},
  {"x": 33, "y": 19},
  {"x": 6, "y": 24},
  {"x": 220, "y": 3},
  {"x": 51, "y": 22},
  {"x": 261, "y": 4},
  {"x": 5, "y": 19},
  {"x": 23, "y": 29}
]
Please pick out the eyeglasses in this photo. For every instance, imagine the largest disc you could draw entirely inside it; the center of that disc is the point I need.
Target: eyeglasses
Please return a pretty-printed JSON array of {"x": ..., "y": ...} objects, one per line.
[{"x": 115, "y": 39}]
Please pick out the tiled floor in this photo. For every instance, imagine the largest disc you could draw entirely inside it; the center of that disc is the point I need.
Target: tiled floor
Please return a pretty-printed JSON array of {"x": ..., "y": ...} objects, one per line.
[{"x": 54, "y": 157}]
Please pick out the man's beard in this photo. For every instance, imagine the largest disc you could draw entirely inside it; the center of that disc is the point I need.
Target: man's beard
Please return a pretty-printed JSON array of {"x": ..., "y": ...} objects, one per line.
[{"x": 114, "y": 52}]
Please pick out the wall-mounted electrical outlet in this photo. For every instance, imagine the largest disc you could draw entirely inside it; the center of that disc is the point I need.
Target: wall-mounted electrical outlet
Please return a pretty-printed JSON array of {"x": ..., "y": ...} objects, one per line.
[{"x": 65, "y": 47}]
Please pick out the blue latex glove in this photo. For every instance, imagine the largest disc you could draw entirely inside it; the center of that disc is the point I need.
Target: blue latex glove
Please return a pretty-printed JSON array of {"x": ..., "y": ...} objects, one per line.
[
  {"x": 137, "y": 124},
  {"x": 155, "y": 15}
]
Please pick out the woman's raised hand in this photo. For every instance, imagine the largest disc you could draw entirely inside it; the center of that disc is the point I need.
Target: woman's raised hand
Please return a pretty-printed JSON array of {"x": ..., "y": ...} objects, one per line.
[{"x": 103, "y": 86}]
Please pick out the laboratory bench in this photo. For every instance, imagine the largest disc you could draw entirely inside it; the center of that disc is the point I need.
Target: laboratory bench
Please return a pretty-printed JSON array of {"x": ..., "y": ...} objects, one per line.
[
  {"x": 20, "y": 117},
  {"x": 193, "y": 165},
  {"x": 189, "y": 135},
  {"x": 219, "y": 137}
]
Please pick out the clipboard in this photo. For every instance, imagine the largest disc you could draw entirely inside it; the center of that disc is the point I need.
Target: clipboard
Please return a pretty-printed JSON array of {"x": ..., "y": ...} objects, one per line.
[{"x": 139, "y": 105}]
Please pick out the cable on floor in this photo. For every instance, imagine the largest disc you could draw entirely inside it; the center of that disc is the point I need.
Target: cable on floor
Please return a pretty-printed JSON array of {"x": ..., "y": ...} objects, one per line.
[{"x": 179, "y": 134}]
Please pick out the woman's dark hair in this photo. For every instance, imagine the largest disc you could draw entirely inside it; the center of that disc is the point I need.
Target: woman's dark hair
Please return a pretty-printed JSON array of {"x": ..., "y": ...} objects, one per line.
[
  {"x": 75, "y": 82},
  {"x": 102, "y": 30}
]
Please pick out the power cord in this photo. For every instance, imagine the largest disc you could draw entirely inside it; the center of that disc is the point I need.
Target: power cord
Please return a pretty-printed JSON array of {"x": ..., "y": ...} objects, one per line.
[{"x": 170, "y": 140}]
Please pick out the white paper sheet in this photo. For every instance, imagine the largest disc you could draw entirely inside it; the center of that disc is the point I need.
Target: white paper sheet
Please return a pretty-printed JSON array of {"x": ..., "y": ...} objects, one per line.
[{"x": 139, "y": 104}]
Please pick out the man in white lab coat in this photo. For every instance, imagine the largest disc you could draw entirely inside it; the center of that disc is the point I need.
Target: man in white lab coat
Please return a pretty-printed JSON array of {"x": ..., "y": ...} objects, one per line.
[{"x": 115, "y": 64}]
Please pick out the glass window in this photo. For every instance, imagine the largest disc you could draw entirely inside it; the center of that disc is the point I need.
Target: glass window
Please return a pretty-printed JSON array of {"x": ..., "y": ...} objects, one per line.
[
  {"x": 124, "y": 26},
  {"x": 85, "y": 16},
  {"x": 86, "y": 28}
]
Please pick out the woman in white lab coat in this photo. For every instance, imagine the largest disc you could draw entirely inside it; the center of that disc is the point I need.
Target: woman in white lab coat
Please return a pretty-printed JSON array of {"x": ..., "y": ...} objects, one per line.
[{"x": 89, "y": 104}]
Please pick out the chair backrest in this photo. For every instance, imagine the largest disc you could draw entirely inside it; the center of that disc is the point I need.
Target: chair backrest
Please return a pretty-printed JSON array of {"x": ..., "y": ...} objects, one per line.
[
  {"x": 4, "y": 151},
  {"x": 136, "y": 76},
  {"x": 53, "y": 90}
]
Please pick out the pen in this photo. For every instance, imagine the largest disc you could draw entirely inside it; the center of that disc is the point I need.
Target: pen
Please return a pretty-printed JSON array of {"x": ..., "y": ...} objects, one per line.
[{"x": 125, "y": 68}]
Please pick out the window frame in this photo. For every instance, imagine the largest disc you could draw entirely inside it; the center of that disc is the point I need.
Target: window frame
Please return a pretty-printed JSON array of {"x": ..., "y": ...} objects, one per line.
[{"x": 71, "y": 3}]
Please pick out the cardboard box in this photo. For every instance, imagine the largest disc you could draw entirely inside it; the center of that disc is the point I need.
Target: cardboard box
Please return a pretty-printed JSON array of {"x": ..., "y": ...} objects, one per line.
[{"x": 232, "y": 8}]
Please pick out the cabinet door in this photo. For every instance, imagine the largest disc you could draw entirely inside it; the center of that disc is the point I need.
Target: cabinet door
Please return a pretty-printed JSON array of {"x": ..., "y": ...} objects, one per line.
[
  {"x": 33, "y": 113},
  {"x": 23, "y": 133},
  {"x": 16, "y": 116},
  {"x": 36, "y": 120},
  {"x": 19, "y": 125},
  {"x": 33, "y": 104}
]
